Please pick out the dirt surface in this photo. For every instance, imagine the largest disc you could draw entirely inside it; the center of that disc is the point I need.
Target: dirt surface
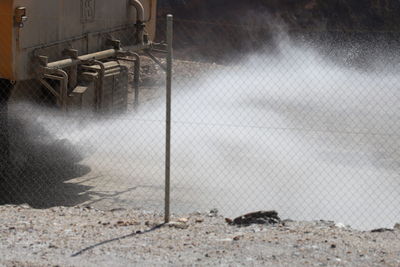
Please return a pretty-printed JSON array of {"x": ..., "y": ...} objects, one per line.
[{"x": 88, "y": 237}]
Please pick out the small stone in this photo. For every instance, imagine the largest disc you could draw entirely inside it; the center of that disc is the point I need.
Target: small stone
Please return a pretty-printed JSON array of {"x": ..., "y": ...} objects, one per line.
[
  {"x": 25, "y": 206},
  {"x": 112, "y": 210},
  {"x": 183, "y": 220},
  {"x": 333, "y": 246},
  {"x": 397, "y": 226},
  {"x": 228, "y": 220},
  {"x": 200, "y": 220},
  {"x": 236, "y": 238},
  {"x": 213, "y": 213},
  {"x": 126, "y": 223},
  {"x": 178, "y": 225},
  {"x": 340, "y": 225}
]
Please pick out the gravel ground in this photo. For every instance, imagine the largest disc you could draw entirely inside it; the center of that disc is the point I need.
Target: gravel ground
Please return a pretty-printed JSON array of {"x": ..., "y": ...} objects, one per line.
[{"x": 89, "y": 237}]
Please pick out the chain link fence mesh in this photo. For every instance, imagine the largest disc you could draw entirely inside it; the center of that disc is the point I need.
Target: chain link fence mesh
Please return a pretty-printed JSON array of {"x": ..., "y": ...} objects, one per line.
[
  {"x": 305, "y": 123},
  {"x": 302, "y": 122}
]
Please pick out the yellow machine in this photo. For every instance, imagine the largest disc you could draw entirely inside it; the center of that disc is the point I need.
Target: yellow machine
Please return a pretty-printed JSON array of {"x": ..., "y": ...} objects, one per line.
[{"x": 74, "y": 48}]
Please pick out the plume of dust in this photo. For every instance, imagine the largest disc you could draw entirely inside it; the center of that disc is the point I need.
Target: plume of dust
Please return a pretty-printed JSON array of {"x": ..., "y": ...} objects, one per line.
[{"x": 289, "y": 130}]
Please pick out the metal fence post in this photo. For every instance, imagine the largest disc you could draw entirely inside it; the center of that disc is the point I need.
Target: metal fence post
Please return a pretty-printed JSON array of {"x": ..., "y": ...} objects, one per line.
[{"x": 168, "y": 119}]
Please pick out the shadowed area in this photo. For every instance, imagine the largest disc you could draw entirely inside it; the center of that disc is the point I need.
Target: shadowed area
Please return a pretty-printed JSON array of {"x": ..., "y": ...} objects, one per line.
[{"x": 40, "y": 167}]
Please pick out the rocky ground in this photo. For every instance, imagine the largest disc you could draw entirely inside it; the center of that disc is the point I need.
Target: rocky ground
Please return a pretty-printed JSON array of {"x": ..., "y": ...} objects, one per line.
[{"x": 88, "y": 237}]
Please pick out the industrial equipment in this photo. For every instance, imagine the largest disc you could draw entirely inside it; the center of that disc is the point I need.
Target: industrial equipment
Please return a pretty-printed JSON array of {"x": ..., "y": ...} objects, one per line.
[{"x": 73, "y": 49}]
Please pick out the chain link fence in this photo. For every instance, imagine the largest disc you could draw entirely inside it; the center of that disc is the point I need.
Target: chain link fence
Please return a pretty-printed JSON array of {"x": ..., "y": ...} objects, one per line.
[{"x": 263, "y": 118}]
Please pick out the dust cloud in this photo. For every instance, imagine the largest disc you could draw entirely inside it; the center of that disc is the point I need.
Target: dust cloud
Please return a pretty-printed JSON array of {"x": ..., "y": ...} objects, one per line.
[{"x": 289, "y": 130}]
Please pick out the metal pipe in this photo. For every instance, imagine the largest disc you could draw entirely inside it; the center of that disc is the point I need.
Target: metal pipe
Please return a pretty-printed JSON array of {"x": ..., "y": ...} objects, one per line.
[
  {"x": 168, "y": 120},
  {"x": 71, "y": 62},
  {"x": 136, "y": 79},
  {"x": 49, "y": 87},
  {"x": 99, "y": 93},
  {"x": 53, "y": 77},
  {"x": 150, "y": 11},
  {"x": 73, "y": 77},
  {"x": 155, "y": 60},
  {"x": 139, "y": 20},
  {"x": 64, "y": 88},
  {"x": 139, "y": 10},
  {"x": 136, "y": 76},
  {"x": 62, "y": 76}
]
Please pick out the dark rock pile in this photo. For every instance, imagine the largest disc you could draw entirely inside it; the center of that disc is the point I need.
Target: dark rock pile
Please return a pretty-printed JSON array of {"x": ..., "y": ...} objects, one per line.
[{"x": 259, "y": 217}]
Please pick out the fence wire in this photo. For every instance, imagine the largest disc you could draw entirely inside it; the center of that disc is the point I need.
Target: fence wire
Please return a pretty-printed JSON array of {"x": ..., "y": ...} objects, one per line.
[{"x": 305, "y": 123}]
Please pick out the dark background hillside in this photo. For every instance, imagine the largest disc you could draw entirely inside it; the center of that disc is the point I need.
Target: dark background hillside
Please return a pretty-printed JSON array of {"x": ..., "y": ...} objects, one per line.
[
  {"x": 377, "y": 15},
  {"x": 217, "y": 29}
]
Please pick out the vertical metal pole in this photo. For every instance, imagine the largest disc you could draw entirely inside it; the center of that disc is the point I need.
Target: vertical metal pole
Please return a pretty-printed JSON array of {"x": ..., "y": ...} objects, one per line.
[
  {"x": 168, "y": 120},
  {"x": 136, "y": 80}
]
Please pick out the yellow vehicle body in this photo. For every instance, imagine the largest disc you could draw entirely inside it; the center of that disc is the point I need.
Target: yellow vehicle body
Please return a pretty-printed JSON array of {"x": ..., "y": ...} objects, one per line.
[
  {"x": 32, "y": 28},
  {"x": 6, "y": 39}
]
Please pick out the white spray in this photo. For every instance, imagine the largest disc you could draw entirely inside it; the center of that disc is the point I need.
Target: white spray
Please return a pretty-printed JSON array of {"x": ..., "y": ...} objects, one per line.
[{"x": 290, "y": 131}]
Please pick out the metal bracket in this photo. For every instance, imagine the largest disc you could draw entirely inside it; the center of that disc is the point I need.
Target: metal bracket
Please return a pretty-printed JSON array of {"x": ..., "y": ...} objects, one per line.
[
  {"x": 43, "y": 60},
  {"x": 20, "y": 16},
  {"x": 158, "y": 62},
  {"x": 72, "y": 53},
  {"x": 116, "y": 44}
]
